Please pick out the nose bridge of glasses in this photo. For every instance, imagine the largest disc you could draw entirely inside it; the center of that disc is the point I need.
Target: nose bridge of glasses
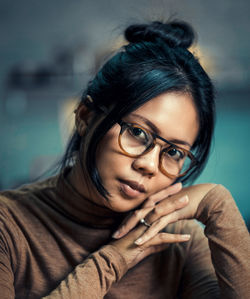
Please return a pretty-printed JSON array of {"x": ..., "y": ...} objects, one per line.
[
  {"x": 161, "y": 141},
  {"x": 157, "y": 142},
  {"x": 152, "y": 155},
  {"x": 153, "y": 152}
]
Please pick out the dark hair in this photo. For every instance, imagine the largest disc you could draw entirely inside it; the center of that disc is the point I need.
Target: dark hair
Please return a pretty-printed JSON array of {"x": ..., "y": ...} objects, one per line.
[{"x": 156, "y": 60}]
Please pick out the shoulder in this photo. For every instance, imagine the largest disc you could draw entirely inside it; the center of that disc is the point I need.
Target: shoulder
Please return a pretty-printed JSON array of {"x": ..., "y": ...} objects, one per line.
[
  {"x": 16, "y": 209},
  {"x": 17, "y": 205},
  {"x": 218, "y": 191},
  {"x": 217, "y": 203},
  {"x": 10, "y": 198}
]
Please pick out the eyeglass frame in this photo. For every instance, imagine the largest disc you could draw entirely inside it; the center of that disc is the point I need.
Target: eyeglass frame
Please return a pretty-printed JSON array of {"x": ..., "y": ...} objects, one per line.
[{"x": 125, "y": 125}]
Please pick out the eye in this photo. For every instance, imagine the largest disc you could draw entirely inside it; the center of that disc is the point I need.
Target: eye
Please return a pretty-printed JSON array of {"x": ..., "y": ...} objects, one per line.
[
  {"x": 176, "y": 154},
  {"x": 139, "y": 134}
]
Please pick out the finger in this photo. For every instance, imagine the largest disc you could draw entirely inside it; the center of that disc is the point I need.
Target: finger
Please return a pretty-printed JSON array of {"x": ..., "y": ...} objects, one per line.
[
  {"x": 166, "y": 238},
  {"x": 167, "y": 206},
  {"x": 118, "y": 230},
  {"x": 131, "y": 222},
  {"x": 153, "y": 199},
  {"x": 157, "y": 226}
]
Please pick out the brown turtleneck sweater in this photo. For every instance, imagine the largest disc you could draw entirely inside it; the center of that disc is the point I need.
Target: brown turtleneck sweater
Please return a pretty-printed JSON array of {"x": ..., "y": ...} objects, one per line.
[{"x": 53, "y": 243}]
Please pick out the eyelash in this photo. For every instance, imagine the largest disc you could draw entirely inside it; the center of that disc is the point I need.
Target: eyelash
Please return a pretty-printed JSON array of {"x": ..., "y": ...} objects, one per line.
[{"x": 144, "y": 130}]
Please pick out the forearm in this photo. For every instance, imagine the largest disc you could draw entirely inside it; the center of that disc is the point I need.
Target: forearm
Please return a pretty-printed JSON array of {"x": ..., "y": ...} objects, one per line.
[
  {"x": 229, "y": 242},
  {"x": 94, "y": 277}
]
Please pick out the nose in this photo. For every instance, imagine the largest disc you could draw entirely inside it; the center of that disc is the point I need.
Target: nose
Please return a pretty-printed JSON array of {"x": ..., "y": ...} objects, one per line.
[{"x": 148, "y": 164}]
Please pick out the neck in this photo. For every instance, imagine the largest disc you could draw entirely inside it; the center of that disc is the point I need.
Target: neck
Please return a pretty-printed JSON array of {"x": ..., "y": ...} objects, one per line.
[
  {"x": 87, "y": 200},
  {"x": 80, "y": 181},
  {"x": 81, "y": 208}
]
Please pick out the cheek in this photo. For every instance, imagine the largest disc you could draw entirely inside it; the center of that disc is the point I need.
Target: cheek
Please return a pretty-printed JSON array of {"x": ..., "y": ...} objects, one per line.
[{"x": 108, "y": 151}]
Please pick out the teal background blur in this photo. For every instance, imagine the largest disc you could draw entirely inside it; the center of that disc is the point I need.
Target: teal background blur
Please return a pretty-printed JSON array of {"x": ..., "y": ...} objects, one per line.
[{"x": 49, "y": 49}]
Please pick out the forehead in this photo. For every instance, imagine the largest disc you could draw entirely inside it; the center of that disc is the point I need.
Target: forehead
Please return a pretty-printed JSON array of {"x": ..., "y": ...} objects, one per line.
[{"x": 173, "y": 114}]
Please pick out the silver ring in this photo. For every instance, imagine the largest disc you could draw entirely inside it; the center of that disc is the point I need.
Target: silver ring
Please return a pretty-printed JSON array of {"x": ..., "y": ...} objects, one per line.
[{"x": 144, "y": 222}]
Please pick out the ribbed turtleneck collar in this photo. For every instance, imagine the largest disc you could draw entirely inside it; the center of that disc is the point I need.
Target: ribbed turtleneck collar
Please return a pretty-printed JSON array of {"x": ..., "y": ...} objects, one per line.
[{"x": 81, "y": 209}]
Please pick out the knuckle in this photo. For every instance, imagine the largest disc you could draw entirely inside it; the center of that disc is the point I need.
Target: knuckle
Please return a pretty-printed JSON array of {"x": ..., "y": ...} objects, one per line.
[
  {"x": 175, "y": 216},
  {"x": 150, "y": 201},
  {"x": 151, "y": 198},
  {"x": 172, "y": 237},
  {"x": 157, "y": 223},
  {"x": 162, "y": 236},
  {"x": 154, "y": 226},
  {"x": 138, "y": 214},
  {"x": 158, "y": 210}
]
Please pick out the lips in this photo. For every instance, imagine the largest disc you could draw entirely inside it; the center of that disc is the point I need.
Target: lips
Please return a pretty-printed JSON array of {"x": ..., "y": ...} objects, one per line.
[{"x": 132, "y": 188}]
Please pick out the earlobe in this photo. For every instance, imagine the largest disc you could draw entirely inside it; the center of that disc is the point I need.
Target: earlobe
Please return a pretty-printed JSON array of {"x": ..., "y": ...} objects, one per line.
[{"x": 82, "y": 118}]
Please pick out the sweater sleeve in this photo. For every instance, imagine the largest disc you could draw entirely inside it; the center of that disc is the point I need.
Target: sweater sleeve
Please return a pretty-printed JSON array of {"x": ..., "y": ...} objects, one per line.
[
  {"x": 7, "y": 258},
  {"x": 198, "y": 279},
  {"x": 93, "y": 278},
  {"x": 229, "y": 242}
]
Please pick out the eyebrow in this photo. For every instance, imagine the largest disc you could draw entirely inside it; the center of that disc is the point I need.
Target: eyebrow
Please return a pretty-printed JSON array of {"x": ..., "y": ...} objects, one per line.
[{"x": 157, "y": 131}]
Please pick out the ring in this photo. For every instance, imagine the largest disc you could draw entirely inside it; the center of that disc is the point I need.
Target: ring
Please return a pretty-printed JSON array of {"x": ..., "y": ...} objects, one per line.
[{"x": 144, "y": 222}]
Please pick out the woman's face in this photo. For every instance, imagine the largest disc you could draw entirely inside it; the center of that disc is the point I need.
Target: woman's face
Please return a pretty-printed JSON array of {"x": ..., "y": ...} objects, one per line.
[{"x": 175, "y": 117}]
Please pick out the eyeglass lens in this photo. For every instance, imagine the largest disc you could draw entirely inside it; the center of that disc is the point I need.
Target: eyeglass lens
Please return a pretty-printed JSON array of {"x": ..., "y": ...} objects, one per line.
[{"x": 136, "y": 141}]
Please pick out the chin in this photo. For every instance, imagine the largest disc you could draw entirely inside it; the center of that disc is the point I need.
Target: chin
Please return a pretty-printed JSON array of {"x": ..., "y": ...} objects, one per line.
[{"x": 123, "y": 205}]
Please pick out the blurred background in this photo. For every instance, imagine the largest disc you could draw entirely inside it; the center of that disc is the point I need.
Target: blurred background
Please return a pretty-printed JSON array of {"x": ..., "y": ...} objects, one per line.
[{"x": 49, "y": 50}]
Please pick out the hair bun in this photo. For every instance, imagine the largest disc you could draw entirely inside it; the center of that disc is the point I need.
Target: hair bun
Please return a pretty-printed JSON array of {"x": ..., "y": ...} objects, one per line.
[{"x": 175, "y": 33}]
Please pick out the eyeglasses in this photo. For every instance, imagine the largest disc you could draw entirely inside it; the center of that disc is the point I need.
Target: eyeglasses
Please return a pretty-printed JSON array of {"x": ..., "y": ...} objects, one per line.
[{"x": 136, "y": 141}]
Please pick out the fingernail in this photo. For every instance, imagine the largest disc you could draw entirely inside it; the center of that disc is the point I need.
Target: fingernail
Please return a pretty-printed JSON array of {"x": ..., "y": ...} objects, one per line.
[
  {"x": 116, "y": 234},
  {"x": 185, "y": 237},
  {"x": 138, "y": 241},
  {"x": 183, "y": 199}
]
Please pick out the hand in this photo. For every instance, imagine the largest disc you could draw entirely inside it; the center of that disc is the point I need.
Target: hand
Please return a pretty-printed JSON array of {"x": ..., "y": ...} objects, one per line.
[
  {"x": 162, "y": 209},
  {"x": 133, "y": 253},
  {"x": 150, "y": 204}
]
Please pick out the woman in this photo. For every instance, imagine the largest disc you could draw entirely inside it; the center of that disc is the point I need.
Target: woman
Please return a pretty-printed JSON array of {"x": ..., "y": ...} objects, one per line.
[{"x": 116, "y": 222}]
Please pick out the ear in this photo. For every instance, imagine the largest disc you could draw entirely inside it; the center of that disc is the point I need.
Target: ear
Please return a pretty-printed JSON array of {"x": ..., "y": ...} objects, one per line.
[{"x": 83, "y": 116}]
